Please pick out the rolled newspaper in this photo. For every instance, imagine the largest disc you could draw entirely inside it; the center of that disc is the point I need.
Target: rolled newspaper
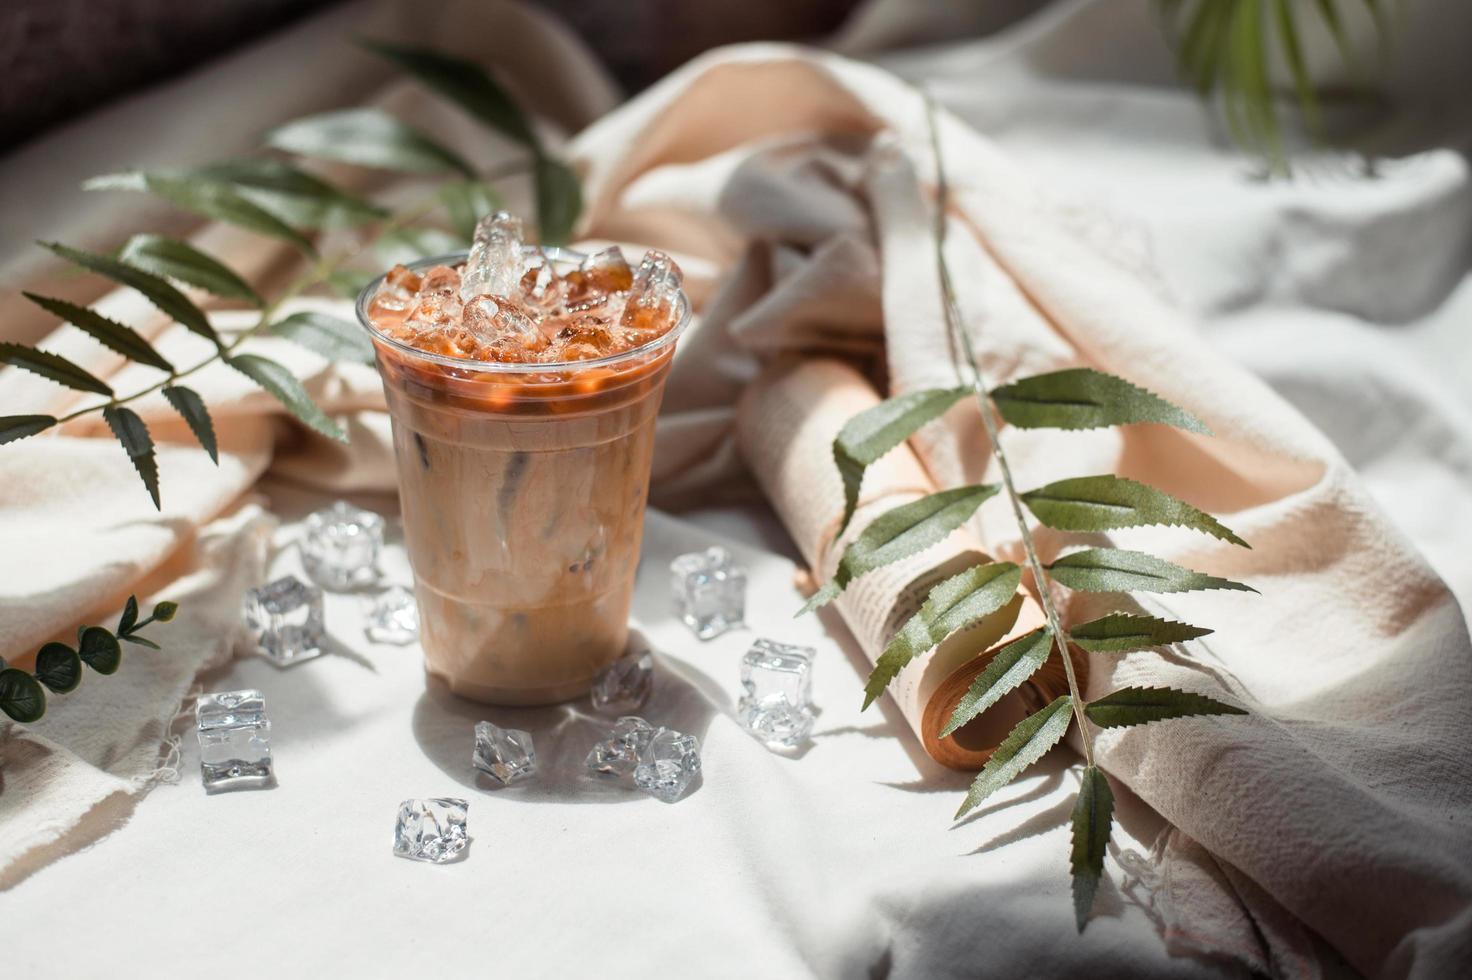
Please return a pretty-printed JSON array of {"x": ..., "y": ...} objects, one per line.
[{"x": 786, "y": 422}]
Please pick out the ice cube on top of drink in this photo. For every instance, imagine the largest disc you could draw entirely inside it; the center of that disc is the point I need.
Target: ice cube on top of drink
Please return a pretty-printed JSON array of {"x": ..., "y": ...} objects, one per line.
[{"x": 509, "y": 303}]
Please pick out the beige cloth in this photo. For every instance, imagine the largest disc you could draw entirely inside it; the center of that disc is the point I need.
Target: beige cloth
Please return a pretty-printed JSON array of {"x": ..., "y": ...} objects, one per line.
[{"x": 1334, "y": 819}]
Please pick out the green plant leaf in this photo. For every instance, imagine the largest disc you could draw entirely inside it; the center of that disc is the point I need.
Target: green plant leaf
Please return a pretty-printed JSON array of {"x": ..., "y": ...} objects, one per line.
[
  {"x": 133, "y": 434},
  {"x": 1101, "y": 503},
  {"x": 1124, "y": 633},
  {"x": 59, "y": 668},
  {"x": 286, "y": 389},
  {"x": 405, "y": 245},
  {"x": 129, "y": 619},
  {"x": 140, "y": 640},
  {"x": 366, "y": 138},
  {"x": 334, "y": 338},
  {"x": 1142, "y": 705},
  {"x": 1013, "y": 664},
  {"x": 21, "y": 696},
  {"x": 1117, "y": 570},
  {"x": 1082, "y": 398},
  {"x": 111, "y": 334},
  {"x": 210, "y": 198},
  {"x": 1292, "y": 50},
  {"x": 291, "y": 194},
  {"x": 100, "y": 650},
  {"x": 1093, "y": 819},
  {"x": 348, "y": 283},
  {"x": 13, "y": 427},
  {"x": 466, "y": 202},
  {"x": 53, "y": 367},
  {"x": 170, "y": 257},
  {"x": 158, "y": 291},
  {"x": 188, "y": 404},
  {"x": 901, "y": 532},
  {"x": 463, "y": 82},
  {"x": 164, "y": 612},
  {"x": 559, "y": 200},
  {"x": 1024, "y": 745},
  {"x": 952, "y": 605},
  {"x": 868, "y": 436}
]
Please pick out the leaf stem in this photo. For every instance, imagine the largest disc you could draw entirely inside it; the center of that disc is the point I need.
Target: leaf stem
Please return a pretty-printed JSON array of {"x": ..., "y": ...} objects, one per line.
[{"x": 990, "y": 421}]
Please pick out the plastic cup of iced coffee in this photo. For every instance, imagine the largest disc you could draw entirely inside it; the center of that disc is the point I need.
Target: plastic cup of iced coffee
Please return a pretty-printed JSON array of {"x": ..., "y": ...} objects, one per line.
[{"x": 523, "y": 385}]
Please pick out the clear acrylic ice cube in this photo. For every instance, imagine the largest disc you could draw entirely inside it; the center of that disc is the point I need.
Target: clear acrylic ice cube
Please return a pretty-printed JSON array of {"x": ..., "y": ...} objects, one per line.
[
  {"x": 234, "y": 740},
  {"x": 668, "y": 764},
  {"x": 431, "y": 830},
  {"x": 284, "y": 620},
  {"x": 776, "y": 703},
  {"x": 709, "y": 591},
  {"x": 393, "y": 617},
  {"x": 504, "y": 754},
  {"x": 341, "y": 546},
  {"x": 618, "y": 754},
  {"x": 624, "y": 685}
]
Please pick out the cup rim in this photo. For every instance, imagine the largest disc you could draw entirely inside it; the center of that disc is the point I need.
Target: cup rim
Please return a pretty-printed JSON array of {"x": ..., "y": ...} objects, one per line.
[{"x": 556, "y": 254}]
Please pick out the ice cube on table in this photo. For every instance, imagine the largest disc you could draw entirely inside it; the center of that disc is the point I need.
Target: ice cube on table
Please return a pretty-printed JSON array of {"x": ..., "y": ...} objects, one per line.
[
  {"x": 393, "y": 617},
  {"x": 776, "y": 704},
  {"x": 284, "y": 620},
  {"x": 505, "y": 754},
  {"x": 234, "y": 741},
  {"x": 668, "y": 763},
  {"x": 624, "y": 685},
  {"x": 494, "y": 265},
  {"x": 341, "y": 546},
  {"x": 709, "y": 591},
  {"x": 618, "y": 754},
  {"x": 431, "y": 830}
]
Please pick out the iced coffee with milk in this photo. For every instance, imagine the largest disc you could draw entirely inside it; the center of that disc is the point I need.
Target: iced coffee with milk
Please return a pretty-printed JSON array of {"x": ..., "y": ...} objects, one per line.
[{"x": 523, "y": 385}]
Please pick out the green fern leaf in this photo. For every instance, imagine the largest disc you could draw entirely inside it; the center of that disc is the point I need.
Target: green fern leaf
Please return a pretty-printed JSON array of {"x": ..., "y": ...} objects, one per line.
[
  {"x": 1024, "y": 745},
  {"x": 13, "y": 427},
  {"x": 53, "y": 367},
  {"x": 294, "y": 196},
  {"x": 170, "y": 257},
  {"x": 111, "y": 334},
  {"x": 1117, "y": 570},
  {"x": 366, "y": 138},
  {"x": 1102, "y": 503},
  {"x": 463, "y": 82},
  {"x": 1125, "y": 633},
  {"x": 1012, "y": 665},
  {"x": 209, "y": 198},
  {"x": 1082, "y": 398},
  {"x": 133, "y": 434},
  {"x": 189, "y": 405},
  {"x": 1142, "y": 705},
  {"x": 285, "y": 388},
  {"x": 332, "y": 337},
  {"x": 158, "y": 291},
  {"x": 559, "y": 199},
  {"x": 1093, "y": 819}
]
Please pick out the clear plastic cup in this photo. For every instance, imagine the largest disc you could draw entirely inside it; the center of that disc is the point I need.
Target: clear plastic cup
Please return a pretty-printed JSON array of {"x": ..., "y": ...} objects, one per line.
[{"x": 523, "y": 489}]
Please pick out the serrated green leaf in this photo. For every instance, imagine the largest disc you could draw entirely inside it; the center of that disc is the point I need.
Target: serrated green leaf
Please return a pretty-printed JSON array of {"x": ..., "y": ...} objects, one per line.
[
  {"x": 157, "y": 290},
  {"x": 901, "y": 532},
  {"x": 559, "y": 200},
  {"x": 366, "y": 138},
  {"x": 1024, "y": 745},
  {"x": 13, "y": 427},
  {"x": 1101, "y": 503},
  {"x": 133, "y": 434},
  {"x": 1013, "y": 664},
  {"x": 188, "y": 404},
  {"x": 1117, "y": 570},
  {"x": 1293, "y": 54},
  {"x": 1142, "y": 705},
  {"x": 952, "y": 605},
  {"x": 285, "y": 388},
  {"x": 1125, "y": 633},
  {"x": 141, "y": 641},
  {"x": 868, "y": 436},
  {"x": 463, "y": 82},
  {"x": 53, "y": 367},
  {"x": 111, "y": 334},
  {"x": 466, "y": 202},
  {"x": 178, "y": 260},
  {"x": 21, "y": 696},
  {"x": 129, "y": 619},
  {"x": 210, "y": 198},
  {"x": 1082, "y": 398},
  {"x": 100, "y": 650},
  {"x": 59, "y": 668},
  {"x": 334, "y": 338},
  {"x": 293, "y": 195},
  {"x": 1093, "y": 820}
]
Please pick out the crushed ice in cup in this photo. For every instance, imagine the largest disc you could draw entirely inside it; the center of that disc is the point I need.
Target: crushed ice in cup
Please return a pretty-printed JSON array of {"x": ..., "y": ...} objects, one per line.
[
  {"x": 505, "y": 754},
  {"x": 494, "y": 266},
  {"x": 393, "y": 617},
  {"x": 653, "y": 299},
  {"x": 234, "y": 740},
  {"x": 624, "y": 685},
  {"x": 284, "y": 620},
  {"x": 709, "y": 591},
  {"x": 668, "y": 763},
  {"x": 341, "y": 546},
  {"x": 776, "y": 706},
  {"x": 431, "y": 830},
  {"x": 618, "y": 754}
]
